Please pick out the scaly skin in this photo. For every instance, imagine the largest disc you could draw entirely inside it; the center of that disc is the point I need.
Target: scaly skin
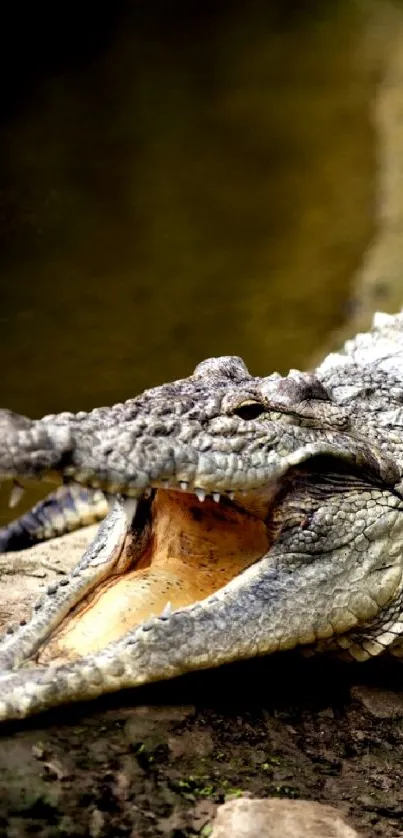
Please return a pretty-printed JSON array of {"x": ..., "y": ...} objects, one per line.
[
  {"x": 323, "y": 458},
  {"x": 68, "y": 508}
]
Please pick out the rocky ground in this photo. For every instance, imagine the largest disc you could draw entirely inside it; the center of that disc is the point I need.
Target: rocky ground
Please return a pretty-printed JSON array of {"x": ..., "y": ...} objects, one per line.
[{"x": 158, "y": 761}]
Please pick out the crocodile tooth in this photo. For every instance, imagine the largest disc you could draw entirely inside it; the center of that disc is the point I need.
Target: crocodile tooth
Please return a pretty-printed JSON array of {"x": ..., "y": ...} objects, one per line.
[
  {"x": 167, "y": 611},
  {"x": 231, "y": 495},
  {"x": 200, "y": 494},
  {"x": 148, "y": 624},
  {"x": 147, "y": 493},
  {"x": 165, "y": 484},
  {"x": 16, "y": 494},
  {"x": 184, "y": 485},
  {"x": 216, "y": 497},
  {"x": 130, "y": 507}
]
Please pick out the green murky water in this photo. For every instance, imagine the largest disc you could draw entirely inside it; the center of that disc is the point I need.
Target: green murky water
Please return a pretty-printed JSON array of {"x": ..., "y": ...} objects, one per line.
[{"x": 201, "y": 184}]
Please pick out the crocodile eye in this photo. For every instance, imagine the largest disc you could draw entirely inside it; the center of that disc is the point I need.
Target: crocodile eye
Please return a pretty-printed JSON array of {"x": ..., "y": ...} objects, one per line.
[{"x": 249, "y": 410}]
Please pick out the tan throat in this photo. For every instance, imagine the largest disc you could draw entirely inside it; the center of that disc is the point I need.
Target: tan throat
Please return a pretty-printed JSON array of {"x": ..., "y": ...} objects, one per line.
[{"x": 194, "y": 549}]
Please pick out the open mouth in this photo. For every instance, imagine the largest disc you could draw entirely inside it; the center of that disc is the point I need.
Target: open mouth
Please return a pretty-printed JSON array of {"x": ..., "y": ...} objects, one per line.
[
  {"x": 178, "y": 548},
  {"x": 174, "y": 547}
]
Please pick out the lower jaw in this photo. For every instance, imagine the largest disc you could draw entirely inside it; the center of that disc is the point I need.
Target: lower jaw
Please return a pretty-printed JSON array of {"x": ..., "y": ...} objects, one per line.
[{"x": 194, "y": 549}]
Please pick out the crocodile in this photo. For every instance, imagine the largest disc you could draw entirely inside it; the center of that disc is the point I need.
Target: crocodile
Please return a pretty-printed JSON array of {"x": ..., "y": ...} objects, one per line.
[{"x": 248, "y": 515}]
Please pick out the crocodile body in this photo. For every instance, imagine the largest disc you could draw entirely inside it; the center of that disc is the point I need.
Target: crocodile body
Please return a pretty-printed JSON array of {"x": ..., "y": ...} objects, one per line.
[
  {"x": 68, "y": 508},
  {"x": 251, "y": 515}
]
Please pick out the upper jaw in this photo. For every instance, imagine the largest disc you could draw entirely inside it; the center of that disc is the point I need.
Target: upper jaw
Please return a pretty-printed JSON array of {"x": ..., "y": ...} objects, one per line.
[
  {"x": 242, "y": 477},
  {"x": 119, "y": 460}
]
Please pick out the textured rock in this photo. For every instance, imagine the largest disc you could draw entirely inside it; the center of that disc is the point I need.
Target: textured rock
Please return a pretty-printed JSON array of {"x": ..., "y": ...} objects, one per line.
[
  {"x": 381, "y": 703},
  {"x": 275, "y": 818}
]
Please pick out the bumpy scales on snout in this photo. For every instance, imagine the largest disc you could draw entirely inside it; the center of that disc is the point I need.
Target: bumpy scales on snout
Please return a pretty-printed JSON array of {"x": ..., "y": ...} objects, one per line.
[{"x": 248, "y": 515}]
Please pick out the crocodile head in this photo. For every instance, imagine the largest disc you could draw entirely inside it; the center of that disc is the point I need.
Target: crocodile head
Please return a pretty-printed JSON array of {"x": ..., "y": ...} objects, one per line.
[{"x": 213, "y": 473}]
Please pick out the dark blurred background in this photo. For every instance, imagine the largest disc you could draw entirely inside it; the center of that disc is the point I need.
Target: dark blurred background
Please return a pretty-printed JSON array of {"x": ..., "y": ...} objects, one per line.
[{"x": 177, "y": 180}]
